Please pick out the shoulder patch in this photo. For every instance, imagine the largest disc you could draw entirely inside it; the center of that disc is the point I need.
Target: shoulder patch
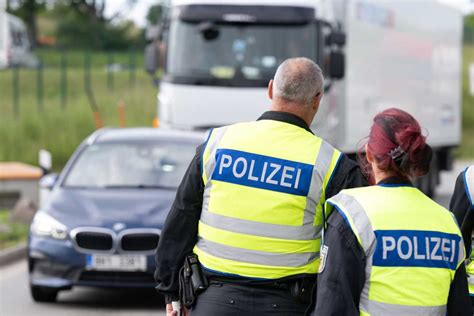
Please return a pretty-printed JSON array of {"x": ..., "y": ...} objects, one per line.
[{"x": 323, "y": 257}]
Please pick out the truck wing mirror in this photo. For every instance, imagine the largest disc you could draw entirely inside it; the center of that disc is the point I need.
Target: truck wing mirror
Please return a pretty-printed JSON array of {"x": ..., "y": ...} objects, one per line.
[
  {"x": 336, "y": 38},
  {"x": 151, "y": 58},
  {"x": 337, "y": 65}
]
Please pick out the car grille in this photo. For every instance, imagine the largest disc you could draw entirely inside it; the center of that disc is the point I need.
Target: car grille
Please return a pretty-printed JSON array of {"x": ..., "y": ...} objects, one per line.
[
  {"x": 94, "y": 241},
  {"x": 139, "y": 242},
  {"x": 116, "y": 277},
  {"x": 99, "y": 239}
]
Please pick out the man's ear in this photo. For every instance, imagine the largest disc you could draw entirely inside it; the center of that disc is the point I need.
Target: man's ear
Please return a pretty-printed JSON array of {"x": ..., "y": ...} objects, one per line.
[
  {"x": 317, "y": 101},
  {"x": 270, "y": 90}
]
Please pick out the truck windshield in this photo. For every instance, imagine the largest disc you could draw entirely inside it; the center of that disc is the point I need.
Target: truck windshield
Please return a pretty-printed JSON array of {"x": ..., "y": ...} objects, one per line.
[{"x": 245, "y": 55}]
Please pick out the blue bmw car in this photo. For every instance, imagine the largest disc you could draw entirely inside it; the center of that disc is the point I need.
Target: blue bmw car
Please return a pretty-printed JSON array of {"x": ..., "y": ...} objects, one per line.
[{"x": 101, "y": 224}]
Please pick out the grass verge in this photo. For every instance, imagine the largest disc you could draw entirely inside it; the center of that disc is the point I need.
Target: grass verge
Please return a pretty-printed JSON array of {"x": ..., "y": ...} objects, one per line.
[
  {"x": 60, "y": 129},
  {"x": 11, "y": 233}
]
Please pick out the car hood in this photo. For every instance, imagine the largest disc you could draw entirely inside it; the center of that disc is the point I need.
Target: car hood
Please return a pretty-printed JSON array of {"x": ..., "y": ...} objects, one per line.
[{"x": 104, "y": 208}]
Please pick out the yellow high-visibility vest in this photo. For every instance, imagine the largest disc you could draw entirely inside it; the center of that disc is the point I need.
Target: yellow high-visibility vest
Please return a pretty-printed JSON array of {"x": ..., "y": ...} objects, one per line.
[
  {"x": 413, "y": 248},
  {"x": 265, "y": 186},
  {"x": 470, "y": 275},
  {"x": 469, "y": 186}
]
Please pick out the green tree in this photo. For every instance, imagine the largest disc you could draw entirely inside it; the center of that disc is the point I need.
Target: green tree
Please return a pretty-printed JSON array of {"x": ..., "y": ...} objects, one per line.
[
  {"x": 469, "y": 29},
  {"x": 154, "y": 14},
  {"x": 82, "y": 24}
]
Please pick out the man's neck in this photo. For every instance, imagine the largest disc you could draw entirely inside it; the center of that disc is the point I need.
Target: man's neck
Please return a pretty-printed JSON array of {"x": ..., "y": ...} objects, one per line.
[{"x": 294, "y": 109}]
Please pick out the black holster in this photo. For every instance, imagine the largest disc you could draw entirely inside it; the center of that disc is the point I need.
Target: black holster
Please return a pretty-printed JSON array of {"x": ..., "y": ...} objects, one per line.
[
  {"x": 192, "y": 281},
  {"x": 302, "y": 290}
]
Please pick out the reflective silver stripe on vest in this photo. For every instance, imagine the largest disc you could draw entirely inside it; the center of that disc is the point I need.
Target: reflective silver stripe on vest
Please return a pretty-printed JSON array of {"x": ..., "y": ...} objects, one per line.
[
  {"x": 366, "y": 233},
  {"x": 470, "y": 279},
  {"x": 256, "y": 257},
  {"x": 210, "y": 164},
  {"x": 359, "y": 218},
  {"x": 320, "y": 170},
  {"x": 218, "y": 133},
  {"x": 469, "y": 184},
  {"x": 385, "y": 309},
  {"x": 241, "y": 226}
]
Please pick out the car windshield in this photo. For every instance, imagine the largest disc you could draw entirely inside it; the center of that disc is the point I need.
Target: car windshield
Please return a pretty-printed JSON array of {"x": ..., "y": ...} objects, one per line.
[
  {"x": 235, "y": 54},
  {"x": 144, "y": 165}
]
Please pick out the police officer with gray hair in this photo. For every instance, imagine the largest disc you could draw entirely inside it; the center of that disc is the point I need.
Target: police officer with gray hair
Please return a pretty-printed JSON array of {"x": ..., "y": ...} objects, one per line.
[{"x": 248, "y": 212}]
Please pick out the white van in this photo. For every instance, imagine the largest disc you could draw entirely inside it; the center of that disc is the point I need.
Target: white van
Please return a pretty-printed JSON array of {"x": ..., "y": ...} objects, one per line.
[{"x": 15, "y": 48}]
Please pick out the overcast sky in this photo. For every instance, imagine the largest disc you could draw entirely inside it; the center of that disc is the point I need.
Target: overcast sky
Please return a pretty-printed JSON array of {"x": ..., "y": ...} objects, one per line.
[{"x": 138, "y": 12}]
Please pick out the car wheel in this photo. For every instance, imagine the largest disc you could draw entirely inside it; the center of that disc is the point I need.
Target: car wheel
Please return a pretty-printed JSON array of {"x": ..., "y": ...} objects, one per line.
[{"x": 43, "y": 294}]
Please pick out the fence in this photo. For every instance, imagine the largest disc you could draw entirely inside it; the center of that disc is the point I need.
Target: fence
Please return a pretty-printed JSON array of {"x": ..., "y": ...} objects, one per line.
[
  {"x": 71, "y": 93},
  {"x": 59, "y": 64}
]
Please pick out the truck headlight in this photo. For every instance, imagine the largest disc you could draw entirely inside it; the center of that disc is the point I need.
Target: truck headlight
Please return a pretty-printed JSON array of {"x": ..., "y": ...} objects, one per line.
[{"x": 45, "y": 225}]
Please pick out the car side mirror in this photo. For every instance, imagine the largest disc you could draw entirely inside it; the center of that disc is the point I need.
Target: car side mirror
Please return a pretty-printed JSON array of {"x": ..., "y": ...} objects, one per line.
[
  {"x": 48, "y": 181},
  {"x": 337, "y": 65},
  {"x": 45, "y": 160},
  {"x": 46, "y": 185}
]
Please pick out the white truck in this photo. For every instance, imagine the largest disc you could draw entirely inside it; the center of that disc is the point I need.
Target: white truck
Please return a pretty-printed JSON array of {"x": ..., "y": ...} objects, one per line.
[
  {"x": 15, "y": 48},
  {"x": 218, "y": 56}
]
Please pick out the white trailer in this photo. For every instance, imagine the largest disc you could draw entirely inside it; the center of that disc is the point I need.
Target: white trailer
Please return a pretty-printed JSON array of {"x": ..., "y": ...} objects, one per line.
[
  {"x": 220, "y": 55},
  {"x": 3, "y": 35},
  {"x": 15, "y": 48}
]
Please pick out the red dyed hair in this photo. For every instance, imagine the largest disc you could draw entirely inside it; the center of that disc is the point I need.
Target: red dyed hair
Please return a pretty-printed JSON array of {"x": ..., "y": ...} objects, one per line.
[{"x": 394, "y": 129}]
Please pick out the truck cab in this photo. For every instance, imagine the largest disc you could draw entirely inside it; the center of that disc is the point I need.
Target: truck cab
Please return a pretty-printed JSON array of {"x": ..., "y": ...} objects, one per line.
[{"x": 220, "y": 55}]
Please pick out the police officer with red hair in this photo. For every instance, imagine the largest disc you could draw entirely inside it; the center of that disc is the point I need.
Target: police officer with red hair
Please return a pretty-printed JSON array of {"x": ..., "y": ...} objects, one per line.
[{"x": 389, "y": 249}]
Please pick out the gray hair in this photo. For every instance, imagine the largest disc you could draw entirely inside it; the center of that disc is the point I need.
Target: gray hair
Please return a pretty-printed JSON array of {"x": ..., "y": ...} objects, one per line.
[{"x": 298, "y": 80}]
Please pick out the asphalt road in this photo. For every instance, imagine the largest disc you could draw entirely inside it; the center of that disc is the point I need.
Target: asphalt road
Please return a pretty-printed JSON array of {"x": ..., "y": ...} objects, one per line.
[{"x": 15, "y": 298}]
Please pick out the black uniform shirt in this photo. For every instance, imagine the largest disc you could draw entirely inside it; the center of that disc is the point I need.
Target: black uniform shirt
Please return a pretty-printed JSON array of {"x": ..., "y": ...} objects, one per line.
[
  {"x": 179, "y": 234},
  {"x": 342, "y": 280},
  {"x": 462, "y": 209}
]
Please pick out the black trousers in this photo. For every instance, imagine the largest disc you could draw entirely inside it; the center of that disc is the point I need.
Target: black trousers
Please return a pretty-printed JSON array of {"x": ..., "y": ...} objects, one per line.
[{"x": 225, "y": 299}]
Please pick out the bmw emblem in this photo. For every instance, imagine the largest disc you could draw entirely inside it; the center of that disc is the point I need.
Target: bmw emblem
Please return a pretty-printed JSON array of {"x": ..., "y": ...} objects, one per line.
[{"x": 118, "y": 226}]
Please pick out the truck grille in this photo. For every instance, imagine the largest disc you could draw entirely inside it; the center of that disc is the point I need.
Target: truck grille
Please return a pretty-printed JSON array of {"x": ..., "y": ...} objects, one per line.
[{"x": 139, "y": 242}]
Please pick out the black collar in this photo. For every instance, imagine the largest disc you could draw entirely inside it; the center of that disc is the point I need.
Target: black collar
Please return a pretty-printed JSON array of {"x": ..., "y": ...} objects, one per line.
[
  {"x": 395, "y": 181},
  {"x": 285, "y": 117}
]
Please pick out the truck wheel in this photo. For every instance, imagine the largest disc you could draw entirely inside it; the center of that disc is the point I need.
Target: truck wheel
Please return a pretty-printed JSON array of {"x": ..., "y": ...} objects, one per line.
[{"x": 43, "y": 294}]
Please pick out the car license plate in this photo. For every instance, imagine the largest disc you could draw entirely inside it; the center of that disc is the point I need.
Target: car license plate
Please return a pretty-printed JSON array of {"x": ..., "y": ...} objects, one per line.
[{"x": 104, "y": 262}]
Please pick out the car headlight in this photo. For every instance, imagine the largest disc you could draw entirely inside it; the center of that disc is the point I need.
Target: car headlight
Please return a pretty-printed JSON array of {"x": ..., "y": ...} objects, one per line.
[{"x": 45, "y": 225}]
